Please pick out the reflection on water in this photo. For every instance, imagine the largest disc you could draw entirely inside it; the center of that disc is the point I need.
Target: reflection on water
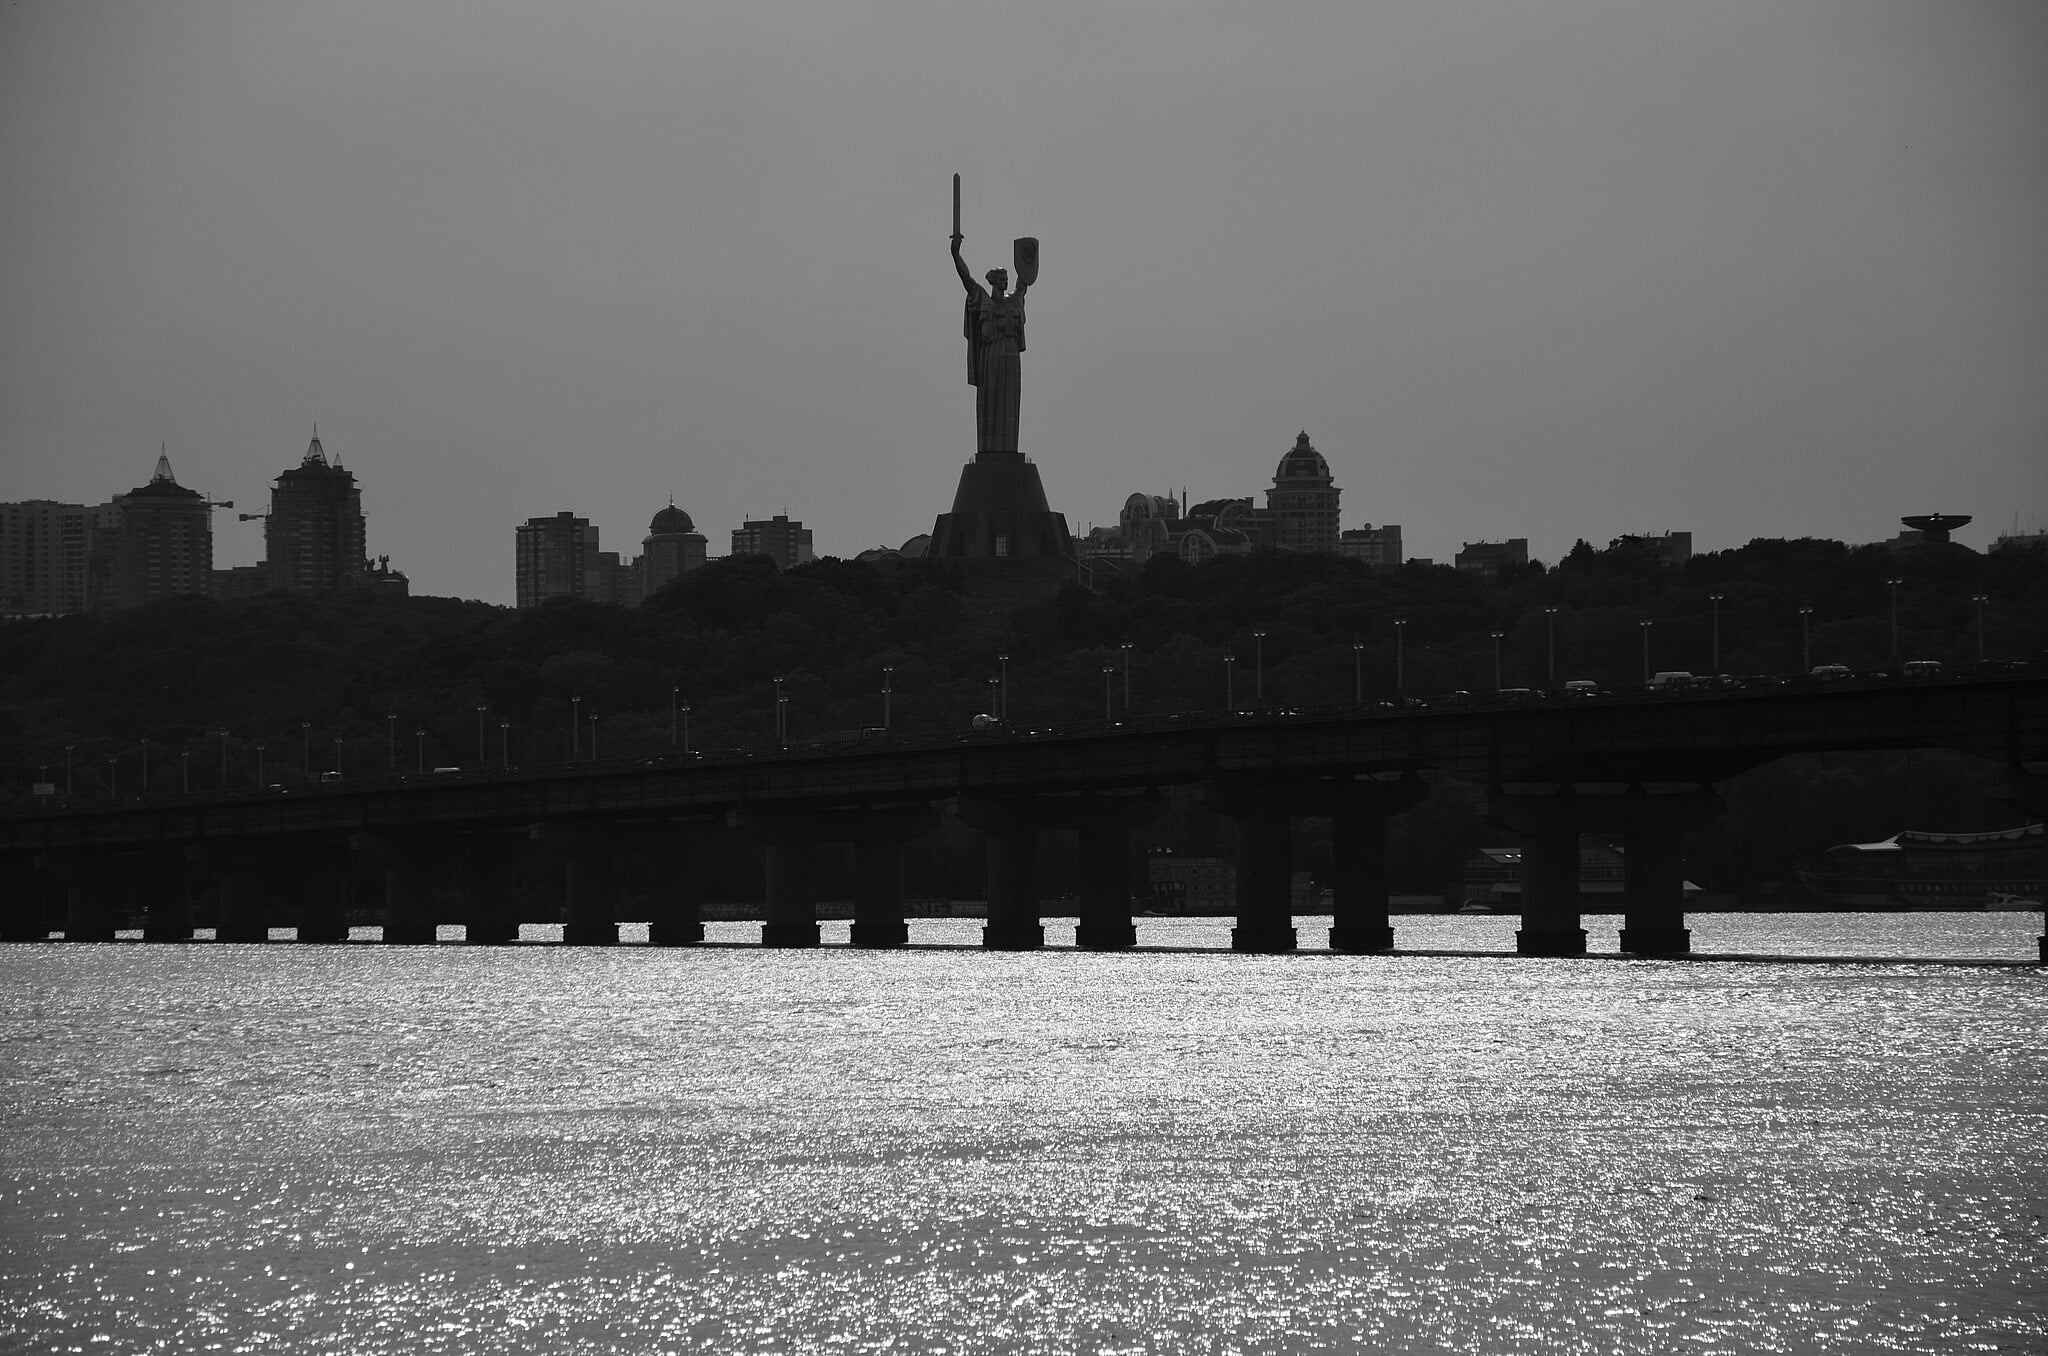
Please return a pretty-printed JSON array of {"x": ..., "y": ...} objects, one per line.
[{"x": 532, "y": 1149}]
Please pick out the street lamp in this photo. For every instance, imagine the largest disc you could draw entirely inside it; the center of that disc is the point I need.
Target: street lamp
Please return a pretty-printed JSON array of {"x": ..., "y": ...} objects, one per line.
[
  {"x": 1000, "y": 703},
  {"x": 686, "y": 729},
  {"x": 575, "y": 727},
  {"x": 419, "y": 737},
  {"x": 185, "y": 769},
  {"x": 1805, "y": 640},
  {"x": 1716, "y": 599},
  {"x": 1259, "y": 674},
  {"x": 505, "y": 743},
  {"x": 223, "y": 760},
  {"x": 259, "y": 764},
  {"x": 481, "y": 707},
  {"x": 1108, "y": 711},
  {"x": 337, "y": 755},
  {"x": 306, "y": 749},
  {"x": 1400, "y": 631},
  {"x": 1980, "y": 599},
  {"x": 390, "y": 745},
  {"x": 1550, "y": 646},
  {"x": 1126, "y": 648},
  {"x": 593, "y": 736},
  {"x": 145, "y": 765},
  {"x": 67, "y": 768},
  {"x": 1496, "y": 658},
  {"x": 1646, "y": 650},
  {"x": 781, "y": 729},
  {"x": 1894, "y": 583},
  {"x": 675, "y": 694},
  {"x": 1358, "y": 673},
  {"x": 888, "y": 687},
  {"x": 1230, "y": 683},
  {"x": 113, "y": 776}
]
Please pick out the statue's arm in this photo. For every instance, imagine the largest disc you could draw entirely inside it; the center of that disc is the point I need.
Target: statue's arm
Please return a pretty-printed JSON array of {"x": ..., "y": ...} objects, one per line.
[{"x": 960, "y": 266}]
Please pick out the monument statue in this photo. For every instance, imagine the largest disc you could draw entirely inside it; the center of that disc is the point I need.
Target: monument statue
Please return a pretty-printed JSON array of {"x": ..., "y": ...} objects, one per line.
[
  {"x": 1001, "y": 537},
  {"x": 994, "y": 329}
]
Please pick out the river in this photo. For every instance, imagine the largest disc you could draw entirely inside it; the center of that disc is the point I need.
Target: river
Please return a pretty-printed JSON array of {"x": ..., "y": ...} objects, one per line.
[{"x": 534, "y": 1149}]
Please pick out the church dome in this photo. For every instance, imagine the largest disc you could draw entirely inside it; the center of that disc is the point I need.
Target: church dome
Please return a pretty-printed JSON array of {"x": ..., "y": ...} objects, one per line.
[
  {"x": 1302, "y": 461},
  {"x": 670, "y": 520}
]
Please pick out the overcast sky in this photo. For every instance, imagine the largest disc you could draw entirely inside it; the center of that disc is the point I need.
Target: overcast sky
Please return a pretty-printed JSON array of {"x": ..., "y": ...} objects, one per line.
[{"x": 1549, "y": 270}]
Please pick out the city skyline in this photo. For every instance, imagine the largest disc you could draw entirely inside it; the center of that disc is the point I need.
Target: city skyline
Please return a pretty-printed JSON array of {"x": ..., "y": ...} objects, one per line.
[{"x": 1589, "y": 272}]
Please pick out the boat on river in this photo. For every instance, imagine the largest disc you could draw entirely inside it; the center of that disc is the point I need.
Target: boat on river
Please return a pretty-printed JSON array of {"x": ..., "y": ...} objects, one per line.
[{"x": 1914, "y": 869}]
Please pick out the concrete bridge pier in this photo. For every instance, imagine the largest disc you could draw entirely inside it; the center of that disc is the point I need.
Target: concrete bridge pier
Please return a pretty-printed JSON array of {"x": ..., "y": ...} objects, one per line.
[
  {"x": 1010, "y": 827},
  {"x": 1358, "y": 812},
  {"x": 167, "y": 899},
  {"x": 791, "y": 839},
  {"x": 591, "y": 887},
  {"x": 95, "y": 887},
  {"x": 2026, "y": 788},
  {"x": 245, "y": 894},
  {"x": 1262, "y": 811},
  {"x": 320, "y": 881},
  {"x": 878, "y": 837},
  {"x": 1653, "y": 852},
  {"x": 1546, "y": 818},
  {"x": 408, "y": 862},
  {"x": 24, "y": 901},
  {"x": 679, "y": 894},
  {"x": 484, "y": 867}
]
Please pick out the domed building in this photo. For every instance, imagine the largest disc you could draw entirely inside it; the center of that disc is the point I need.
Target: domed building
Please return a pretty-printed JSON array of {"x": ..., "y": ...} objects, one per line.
[
  {"x": 1301, "y": 508},
  {"x": 672, "y": 548}
]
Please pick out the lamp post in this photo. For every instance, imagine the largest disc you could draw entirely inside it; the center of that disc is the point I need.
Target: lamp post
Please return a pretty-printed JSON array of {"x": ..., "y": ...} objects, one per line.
[
  {"x": 1645, "y": 624},
  {"x": 1108, "y": 710},
  {"x": 1259, "y": 671},
  {"x": 593, "y": 736},
  {"x": 1001, "y": 703},
  {"x": 223, "y": 760},
  {"x": 419, "y": 746},
  {"x": 1358, "y": 673},
  {"x": 994, "y": 699},
  {"x": 337, "y": 755},
  {"x": 1230, "y": 683},
  {"x": 1805, "y": 641},
  {"x": 1894, "y": 585},
  {"x": 1980, "y": 599},
  {"x": 505, "y": 743},
  {"x": 1126, "y": 648},
  {"x": 1496, "y": 658},
  {"x": 306, "y": 750},
  {"x": 575, "y": 727},
  {"x": 390, "y": 744},
  {"x": 259, "y": 763},
  {"x": 145, "y": 766},
  {"x": 675, "y": 695},
  {"x": 686, "y": 729},
  {"x": 481, "y": 708},
  {"x": 1550, "y": 647},
  {"x": 781, "y": 730},
  {"x": 1400, "y": 632},
  {"x": 888, "y": 687},
  {"x": 1715, "y": 599},
  {"x": 67, "y": 768},
  {"x": 113, "y": 777},
  {"x": 185, "y": 770}
]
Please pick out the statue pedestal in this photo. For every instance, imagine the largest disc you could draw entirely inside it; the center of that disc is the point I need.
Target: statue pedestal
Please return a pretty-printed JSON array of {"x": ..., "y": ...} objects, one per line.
[{"x": 1001, "y": 535}]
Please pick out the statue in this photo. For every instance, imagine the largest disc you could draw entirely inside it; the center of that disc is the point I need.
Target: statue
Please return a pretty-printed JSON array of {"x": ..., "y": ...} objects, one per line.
[{"x": 994, "y": 329}]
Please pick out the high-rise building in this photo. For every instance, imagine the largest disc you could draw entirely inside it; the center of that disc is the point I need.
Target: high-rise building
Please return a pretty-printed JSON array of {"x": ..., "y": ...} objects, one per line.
[
  {"x": 157, "y": 543},
  {"x": 1301, "y": 507},
  {"x": 43, "y": 546},
  {"x": 785, "y": 542},
  {"x": 672, "y": 548},
  {"x": 557, "y": 557},
  {"x": 313, "y": 541}
]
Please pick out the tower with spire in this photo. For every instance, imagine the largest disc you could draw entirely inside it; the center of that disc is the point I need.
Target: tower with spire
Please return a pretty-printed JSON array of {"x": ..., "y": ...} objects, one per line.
[
  {"x": 156, "y": 543},
  {"x": 313, "y": 539}
]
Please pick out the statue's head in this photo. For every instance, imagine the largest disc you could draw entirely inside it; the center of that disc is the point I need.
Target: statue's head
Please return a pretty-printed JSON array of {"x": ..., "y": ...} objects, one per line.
[{"x": 999, "y": 280}]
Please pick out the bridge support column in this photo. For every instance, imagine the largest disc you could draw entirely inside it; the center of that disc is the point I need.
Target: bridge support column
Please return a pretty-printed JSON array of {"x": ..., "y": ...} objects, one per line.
[
  {"x": 1265, "y": 878},
  {"x": 792, "y": 919},
  {"x": 1105, "y": 904},
  {"x": 320, "y": 880},
  {"x": 679, "y": 898},
  {"x": 1547, "y": 819},
  {"x": 24, "y": 901},
  {"x": 590, "y": 856},
  {"x": 95, "y": 888},
  {"x": 878, "y": 921},
  {"x": 1653, "y": 852},
  {"x": 1010, "y": 828},
  {"x": 408, "y": 887},
  {"x": 245, "y": 891},
  {"x": 167, "y": 900},
  {"x": 1358, "y": 812},
  {"x": 489, "y": 911}
]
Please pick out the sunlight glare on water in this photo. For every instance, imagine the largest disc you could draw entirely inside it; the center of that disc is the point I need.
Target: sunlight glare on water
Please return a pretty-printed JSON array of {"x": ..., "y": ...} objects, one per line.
[{"x": 543, "y": 1150}]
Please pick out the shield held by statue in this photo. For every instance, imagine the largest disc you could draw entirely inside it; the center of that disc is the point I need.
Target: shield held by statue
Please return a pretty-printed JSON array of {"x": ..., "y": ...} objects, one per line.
[{"x": 1024, "y": 253}]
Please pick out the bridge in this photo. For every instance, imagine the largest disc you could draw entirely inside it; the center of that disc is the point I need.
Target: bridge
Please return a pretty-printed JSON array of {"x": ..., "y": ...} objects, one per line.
[{"x": 1641, "y": 766}]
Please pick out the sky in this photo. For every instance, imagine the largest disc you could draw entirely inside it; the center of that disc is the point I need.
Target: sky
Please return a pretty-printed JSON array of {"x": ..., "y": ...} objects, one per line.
[{"x": 1558, "y": 270}]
